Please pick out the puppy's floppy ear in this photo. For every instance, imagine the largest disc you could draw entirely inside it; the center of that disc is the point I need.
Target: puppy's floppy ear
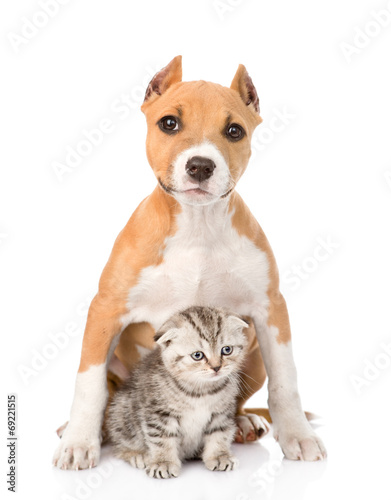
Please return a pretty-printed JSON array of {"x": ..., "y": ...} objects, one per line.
[
  {"x": 172, "y": 73},
  {"x": 243, "y": 84}
]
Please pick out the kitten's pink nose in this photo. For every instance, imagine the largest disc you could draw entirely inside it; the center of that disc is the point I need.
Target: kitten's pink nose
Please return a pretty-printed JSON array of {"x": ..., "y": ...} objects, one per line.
[{"x": 216, "y": 368}]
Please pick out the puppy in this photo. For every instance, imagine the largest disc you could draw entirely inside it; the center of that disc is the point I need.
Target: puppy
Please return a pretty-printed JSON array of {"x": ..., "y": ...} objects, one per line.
[{"x": 192, "y": 242}]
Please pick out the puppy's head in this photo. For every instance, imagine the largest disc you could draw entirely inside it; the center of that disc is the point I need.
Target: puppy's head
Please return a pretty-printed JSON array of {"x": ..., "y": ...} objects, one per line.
[{"x": 199, "y": 133}]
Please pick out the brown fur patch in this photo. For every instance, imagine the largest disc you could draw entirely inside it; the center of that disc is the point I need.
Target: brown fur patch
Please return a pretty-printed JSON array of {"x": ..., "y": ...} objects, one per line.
[
  {"x": 253, "y": 371},
  {"x": 246, "y": 225},
  {"x": 140, "y": 244}
]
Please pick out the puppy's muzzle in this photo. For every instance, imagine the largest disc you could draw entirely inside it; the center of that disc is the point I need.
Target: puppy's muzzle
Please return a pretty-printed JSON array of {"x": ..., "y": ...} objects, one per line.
[{"x": 200, "y": 168}]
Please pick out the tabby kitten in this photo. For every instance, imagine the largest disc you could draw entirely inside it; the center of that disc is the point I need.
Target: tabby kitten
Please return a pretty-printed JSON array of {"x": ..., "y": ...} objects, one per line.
[{"x": 180, "y": 401}]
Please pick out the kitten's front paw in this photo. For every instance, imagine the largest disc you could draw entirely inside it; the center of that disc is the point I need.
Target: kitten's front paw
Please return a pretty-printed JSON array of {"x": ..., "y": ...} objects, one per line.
[
  {"x": 138, "y": 461},
  {"x": 163, "y": 470},
  {"x": 224, "y": 462},
  {"x": 133, "y": 457}
]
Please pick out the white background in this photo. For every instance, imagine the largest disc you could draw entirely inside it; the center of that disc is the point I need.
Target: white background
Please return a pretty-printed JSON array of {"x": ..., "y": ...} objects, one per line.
[{"x": 325, "y": 174}]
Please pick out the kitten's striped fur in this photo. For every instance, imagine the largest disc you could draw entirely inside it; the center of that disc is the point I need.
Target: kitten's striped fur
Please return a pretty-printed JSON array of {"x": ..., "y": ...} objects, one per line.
[{"x": 174, "y": 407}]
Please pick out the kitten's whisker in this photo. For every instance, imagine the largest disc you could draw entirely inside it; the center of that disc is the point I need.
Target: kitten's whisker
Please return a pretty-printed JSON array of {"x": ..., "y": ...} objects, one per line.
[
  {"x": 248, "y": 376},
  {"x": 245, "y": 386}
]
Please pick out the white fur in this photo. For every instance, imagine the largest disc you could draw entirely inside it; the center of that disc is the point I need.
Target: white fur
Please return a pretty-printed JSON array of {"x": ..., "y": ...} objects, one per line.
[
  {"x": 291, "y": 428},
  {"x": 217, "y": 185},
  {"x": 80, "y": 443},
  {"x": 195, "y": 419},
  {"x": 205, "y": 263}
]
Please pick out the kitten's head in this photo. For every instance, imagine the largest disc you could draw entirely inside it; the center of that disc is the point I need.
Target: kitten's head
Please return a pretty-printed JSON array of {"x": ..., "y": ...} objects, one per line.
[{"x": 202, "y": 344}]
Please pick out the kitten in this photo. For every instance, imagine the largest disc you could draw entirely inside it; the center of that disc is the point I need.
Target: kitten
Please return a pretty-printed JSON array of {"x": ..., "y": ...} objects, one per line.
[{"x": 180, "y": 401}]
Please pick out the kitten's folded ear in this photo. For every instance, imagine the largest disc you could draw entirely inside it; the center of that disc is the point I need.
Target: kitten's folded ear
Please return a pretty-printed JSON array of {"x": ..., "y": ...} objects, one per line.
[
  {"x": 237, "y": 322},
  {"x": 167, "y": 332},
  {"x": 164, "y": 338}
]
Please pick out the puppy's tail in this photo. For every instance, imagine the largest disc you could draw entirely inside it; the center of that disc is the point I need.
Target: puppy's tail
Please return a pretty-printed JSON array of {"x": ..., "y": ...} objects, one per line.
[{"x": 264, "y": 412}]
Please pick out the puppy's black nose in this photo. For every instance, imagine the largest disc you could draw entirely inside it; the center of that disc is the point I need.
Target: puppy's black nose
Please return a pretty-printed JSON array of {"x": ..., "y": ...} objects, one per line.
[{"x": 200, "y": 168}]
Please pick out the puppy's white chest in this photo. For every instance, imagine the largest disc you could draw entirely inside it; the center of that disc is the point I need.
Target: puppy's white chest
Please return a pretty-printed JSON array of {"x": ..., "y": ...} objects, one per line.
[{"x": 203, "y": 264}]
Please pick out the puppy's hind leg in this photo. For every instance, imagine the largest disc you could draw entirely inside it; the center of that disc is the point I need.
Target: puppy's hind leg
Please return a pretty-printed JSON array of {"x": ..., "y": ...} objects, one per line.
[{"x": 251, "y": 425}]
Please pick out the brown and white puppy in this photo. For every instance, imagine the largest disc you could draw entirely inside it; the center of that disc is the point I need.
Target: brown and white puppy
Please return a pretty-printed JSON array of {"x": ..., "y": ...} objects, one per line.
[{"x": 191, "y": 242}]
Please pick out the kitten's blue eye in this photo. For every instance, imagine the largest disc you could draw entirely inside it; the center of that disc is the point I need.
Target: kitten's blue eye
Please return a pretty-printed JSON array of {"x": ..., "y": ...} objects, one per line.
[
  {"x": 227, "y": 350},
  {"x": 197, "y": 355}
]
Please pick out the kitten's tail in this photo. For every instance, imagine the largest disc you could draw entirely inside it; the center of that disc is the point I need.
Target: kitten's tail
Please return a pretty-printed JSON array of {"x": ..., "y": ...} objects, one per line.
[{"x": 264, "y": 412}]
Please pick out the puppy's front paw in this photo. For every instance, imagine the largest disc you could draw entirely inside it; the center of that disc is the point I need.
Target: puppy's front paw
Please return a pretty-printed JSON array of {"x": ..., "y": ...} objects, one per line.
[
  {"x": 302, "y": 446},
  {"x": 76, "y": 453},
  {"x": 163, "y": 470},
  {"x": 223, "y": 463}
]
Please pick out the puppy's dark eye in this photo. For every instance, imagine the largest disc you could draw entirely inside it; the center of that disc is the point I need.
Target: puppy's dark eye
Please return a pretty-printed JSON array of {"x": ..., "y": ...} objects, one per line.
[
  {"x": 169, "y": 124},
  {"x": 234, "y": 132}
]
